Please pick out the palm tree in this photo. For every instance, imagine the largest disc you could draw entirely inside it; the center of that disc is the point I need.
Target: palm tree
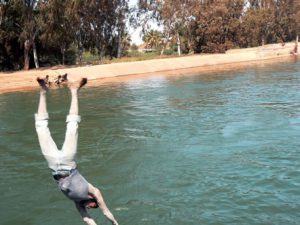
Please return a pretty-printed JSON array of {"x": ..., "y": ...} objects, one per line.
[
  {"x": 126, "y": 40},
  {"x": 152, "y": 38},
  {"x": 124, "y": 44}
]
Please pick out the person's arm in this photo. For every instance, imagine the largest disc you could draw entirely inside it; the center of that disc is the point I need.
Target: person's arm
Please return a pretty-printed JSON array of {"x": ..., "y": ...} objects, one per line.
[
  {"x": 95, "y": 192},
  {"x": 84, "y": 214}
]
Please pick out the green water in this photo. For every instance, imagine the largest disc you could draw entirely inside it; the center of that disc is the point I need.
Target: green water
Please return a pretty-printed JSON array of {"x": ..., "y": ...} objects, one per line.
[{"x": 217, "y": 149}]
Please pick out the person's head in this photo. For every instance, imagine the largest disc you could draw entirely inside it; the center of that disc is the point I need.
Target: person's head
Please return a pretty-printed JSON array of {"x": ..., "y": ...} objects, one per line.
[{"x": 90, "y": 203}]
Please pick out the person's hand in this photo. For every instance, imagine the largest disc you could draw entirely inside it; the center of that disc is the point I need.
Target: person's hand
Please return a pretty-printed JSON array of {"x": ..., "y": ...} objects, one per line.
[{"x": 89, "y": 221}]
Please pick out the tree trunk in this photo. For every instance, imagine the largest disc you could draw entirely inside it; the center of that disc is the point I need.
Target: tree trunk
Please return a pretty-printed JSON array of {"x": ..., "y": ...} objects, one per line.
[
  {"x": 63, "y": 50},
  {"x": 63, "y": 58},
  {"x": 101, "y": 54},
  {"x": 80, "y": 47},
  {"x": 119, "y": 54},
  {"x": 191, "y": 50},
  {"x": 36, "y": 60},
  {"x": 80, "y": 52},
  {"x": 162, "y": 50},
  {"x": 178, "y": 45},
  {"x": 27, "y": 45},
  {"x": 263, "y": 41},
  {"x": 296, "y": 45}
]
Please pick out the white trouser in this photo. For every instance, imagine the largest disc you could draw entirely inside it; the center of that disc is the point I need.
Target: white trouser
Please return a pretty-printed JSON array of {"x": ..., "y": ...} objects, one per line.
[{"x": 58, "y": 160}]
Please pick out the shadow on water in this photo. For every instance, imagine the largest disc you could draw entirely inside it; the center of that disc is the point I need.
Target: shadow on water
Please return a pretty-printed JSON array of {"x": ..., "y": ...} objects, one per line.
[{"x": 206, "y": 149}]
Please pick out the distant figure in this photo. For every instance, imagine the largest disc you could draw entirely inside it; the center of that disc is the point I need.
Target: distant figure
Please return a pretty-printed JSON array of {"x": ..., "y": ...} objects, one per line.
[{"x": 61, "y": 162}]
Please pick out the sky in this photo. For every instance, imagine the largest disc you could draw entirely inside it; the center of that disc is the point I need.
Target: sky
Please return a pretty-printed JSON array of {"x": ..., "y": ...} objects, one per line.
[{"x": 136, "y": 35}]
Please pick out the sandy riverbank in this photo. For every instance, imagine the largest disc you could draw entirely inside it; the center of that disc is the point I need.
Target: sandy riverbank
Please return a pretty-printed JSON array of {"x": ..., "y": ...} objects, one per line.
[{"x": 120, "y": 72}]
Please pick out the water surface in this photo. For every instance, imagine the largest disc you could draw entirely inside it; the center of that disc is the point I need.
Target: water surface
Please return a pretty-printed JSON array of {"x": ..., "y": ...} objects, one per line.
[{"x": 221, "y": 148}]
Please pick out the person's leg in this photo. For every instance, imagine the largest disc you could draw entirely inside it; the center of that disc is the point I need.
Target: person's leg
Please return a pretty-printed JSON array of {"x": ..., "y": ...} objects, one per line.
[
  {"x": 42, "y": 108},
  {"x": 47, "y": 144},
  {"x": 95, "y": 192},
  {"x": 70, "y": 144}
]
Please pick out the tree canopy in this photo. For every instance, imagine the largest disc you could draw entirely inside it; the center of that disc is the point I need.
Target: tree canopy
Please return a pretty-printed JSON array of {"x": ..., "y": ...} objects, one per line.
[
  {"x": 37, "y": 33},
  {"x": 217, "y": 25},
  {"x": 56, "y": 32}
]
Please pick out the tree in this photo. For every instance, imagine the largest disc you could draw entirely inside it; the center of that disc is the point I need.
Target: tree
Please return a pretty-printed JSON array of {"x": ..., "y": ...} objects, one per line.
[
  {"x": 297, "y": 23},
  {"x": 126, "y": 41},
  {"x": 105, "y": 23},
  {"x": 258, "y": 27},
  {"x": 134, "y": 47},
  {"x": 30, "y": 29},
  {"x": 10, "y": 29},
  {"x": 175, "y": 16},
  {"x": 152, "y": 39},
  {"x": 217, "y": 25},
  {"x": 56, "y": 25},
  {"x": 269, "y": 21},
  {"x": 121, "y": 11}
]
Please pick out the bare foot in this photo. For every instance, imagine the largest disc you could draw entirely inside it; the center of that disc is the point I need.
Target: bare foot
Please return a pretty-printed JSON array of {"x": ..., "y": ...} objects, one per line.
[
  {"x": 44, "y": 83},
  {"x": 57, "y": 80},
  {"x": 77, "y": 85},
  {"x": 82, "y": 82},
  {"x": 61, "y": 79},
  {"x": 64, "y": 78}
]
